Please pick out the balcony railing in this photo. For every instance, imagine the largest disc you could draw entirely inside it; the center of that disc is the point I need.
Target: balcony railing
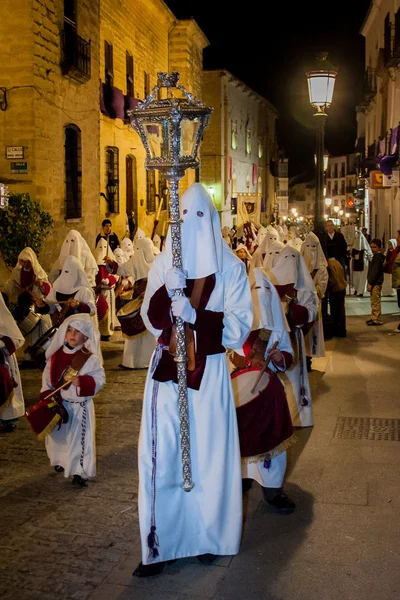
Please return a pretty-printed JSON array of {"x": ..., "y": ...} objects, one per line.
[{"x": 76, "y": 56}]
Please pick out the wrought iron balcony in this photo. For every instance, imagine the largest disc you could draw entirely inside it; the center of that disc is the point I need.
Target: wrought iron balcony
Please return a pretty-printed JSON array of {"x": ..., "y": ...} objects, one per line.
[{"x": 76, "y": 56}]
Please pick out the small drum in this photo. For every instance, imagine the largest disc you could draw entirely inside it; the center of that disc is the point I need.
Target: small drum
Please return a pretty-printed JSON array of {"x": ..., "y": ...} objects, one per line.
[
  {"x": 130, "y": 318},
  {"x": 29, "y": 323},
  {"x": 44, "y": 416},
  {"x": 262, "y": 412},
  {"x": 38, "y": 349}
]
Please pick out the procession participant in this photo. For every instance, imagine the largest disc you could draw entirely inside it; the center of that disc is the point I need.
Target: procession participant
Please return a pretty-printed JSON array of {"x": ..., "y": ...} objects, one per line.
[
  {"x": 207, "y": 521},
  {"x": 271, "y": 236},
  {"x": 26, "y": 287},
  {"x": 272, "y": 255},
  {"x": 139, "y": 235},
  {"x": 75, "y": 245},
  {"x": 12, "y": 404},
  {"x": 127, "y": 247},
  {"x": 226, "y": 234},
  {"x": 265, "y": 425},
  {"x": 334, "y": 244},
  {"x": 317, "y": 264},
  {"x": 157, "y": 242},
  {"x": 361, "y": 256},
  {"x": 294, "y": 240},
  {"x": 105, "y": 284},
  {"x": 71, "y": 293},
  {"x": 244, "y": 255},
  {"x": 387, "y": 288},
  {"x": 71, "y": 448},
  {"x": 106, "y": 234},
  {"x": 124, "y": 283},
  {"x": 297, "y": 292}
]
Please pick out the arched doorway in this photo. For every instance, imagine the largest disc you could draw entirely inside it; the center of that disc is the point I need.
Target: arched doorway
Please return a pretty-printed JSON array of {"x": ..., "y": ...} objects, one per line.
[{"x": 131, "y": 185}]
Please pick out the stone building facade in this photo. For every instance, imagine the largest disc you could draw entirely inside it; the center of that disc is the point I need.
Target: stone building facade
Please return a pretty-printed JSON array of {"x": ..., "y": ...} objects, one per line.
[
  {"x": 238, "y": 147},
  {"x": 71, "y": 71},
  {"x": 378, "y": 116}
]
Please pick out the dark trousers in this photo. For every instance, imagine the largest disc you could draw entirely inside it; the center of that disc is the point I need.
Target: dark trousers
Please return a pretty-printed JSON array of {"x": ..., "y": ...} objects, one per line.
[
  {"x": 338, "y": 312},
  {"x": 398, "y": 297}
]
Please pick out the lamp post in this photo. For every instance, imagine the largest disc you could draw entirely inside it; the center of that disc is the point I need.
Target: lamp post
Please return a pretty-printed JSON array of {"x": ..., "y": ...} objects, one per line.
[
  {"x": 171, "y": 130},
  {"x": 321, "y": 83}
]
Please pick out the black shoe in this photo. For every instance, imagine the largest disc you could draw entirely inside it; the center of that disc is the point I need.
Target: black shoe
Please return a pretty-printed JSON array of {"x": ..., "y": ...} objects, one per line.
[
  {"x": 105, "y": 338},
  {"x": 246, "y": 485},
  {"x": 309, "y": 363},
  {"x": 360, "y": 295},
  {"x": 9, "y": 427},
  {"x": 369, "y": 322},
  {"x": 149, "y": 570},
  {"x": 59, "y": 469},
  {"x": 374, "y": 323},
  {"x": 207, "y": 559},
  {"x": 121, "y": 366},
  {"x": 281, "y": 502},
  {"x": 78, "y": 481}
]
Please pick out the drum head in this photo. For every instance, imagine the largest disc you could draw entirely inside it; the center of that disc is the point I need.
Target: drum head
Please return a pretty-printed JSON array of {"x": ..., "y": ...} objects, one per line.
[
  {"x": 130, "y": 308},
  {"x": 243, "y": 382}
]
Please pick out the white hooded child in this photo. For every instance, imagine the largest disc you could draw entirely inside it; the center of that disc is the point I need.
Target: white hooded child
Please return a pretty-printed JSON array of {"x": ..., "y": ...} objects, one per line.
[
  {"x": 75, "y": 245},
  {"x": 71, "y": 448},
  {"x": 296, "y": 289},
  {"x": 361, "y": 254},
  {"x": 127, "y": 248},
  {"x": 317, "y": 264},
  {"x": 12, "y": 404},
  {"x": 105, "y": 284},
  {"x": 207, "y": 521}
]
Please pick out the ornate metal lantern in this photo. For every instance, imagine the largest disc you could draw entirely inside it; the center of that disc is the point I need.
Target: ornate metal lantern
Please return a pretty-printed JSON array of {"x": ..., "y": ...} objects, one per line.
[{"x": 171, "y": 129}]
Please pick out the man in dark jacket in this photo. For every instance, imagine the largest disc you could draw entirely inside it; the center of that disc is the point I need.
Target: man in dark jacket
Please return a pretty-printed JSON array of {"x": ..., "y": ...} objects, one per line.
[
  {"x": 113, "y": 240},
  {"x": 375, "y": 280},
  {"x": 334, "y": 244}
]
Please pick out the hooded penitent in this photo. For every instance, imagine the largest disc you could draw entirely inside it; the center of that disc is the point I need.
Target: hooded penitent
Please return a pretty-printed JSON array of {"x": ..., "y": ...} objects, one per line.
[
  {"x": 290, "y": 268},
  {"x": 119, "y": 256},
  {"x": 103, "y": 250},
  {"x": 142, "y": 258},
  {"x": 311, "y": 251},
  {"x": 272, "y": 255},
  {"x": 267, "y": 305},
  {"x": 127, "y": 248},
  {"x": 28, "y": 254},
  {"x": 75, "y": 245},
  {"x": 72, "y": 277}
]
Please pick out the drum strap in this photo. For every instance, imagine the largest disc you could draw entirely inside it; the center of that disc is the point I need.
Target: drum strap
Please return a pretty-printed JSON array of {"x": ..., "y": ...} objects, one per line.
[
  {"x": 79, "y": 359},
  {"x": 195, "y": 299}
]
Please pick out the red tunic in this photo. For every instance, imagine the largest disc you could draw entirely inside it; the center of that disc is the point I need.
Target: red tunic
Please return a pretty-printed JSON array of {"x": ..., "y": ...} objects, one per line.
[{"x": 59, "y": 362}]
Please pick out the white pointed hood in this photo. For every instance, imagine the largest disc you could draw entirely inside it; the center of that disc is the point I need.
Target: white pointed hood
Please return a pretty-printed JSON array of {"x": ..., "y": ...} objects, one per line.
[
  {"x": 103, "y": 250},
  {"x": 269, "y": 238},
  {"x": 28, "y": 254},
  {"x": 119, "y": 256},
  {"x": 83, "y": 323},
  {"x": 127, "y": 247},
  {"x": 267, "y": 307},
  {"x": 139, "y": 235},
  {"x": 291, "y": 268},
  {"x": 75, "y": 245},
  {"x": 71, "y": 278},
  {"x": 142, "y": 258},
  {"x": 360, "y": 243},
  {"x": 311, "y": 251},
  {"x": 201, "y": 234},
  {"x": 272, "y": 255},
  {"x": 8, "y": 326}
]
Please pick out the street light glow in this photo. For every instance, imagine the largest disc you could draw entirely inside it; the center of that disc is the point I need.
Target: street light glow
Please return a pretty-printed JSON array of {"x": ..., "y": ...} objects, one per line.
[
  {"x": 336, "y": 208},
  {"x": 328, "y": 201},
  {"x": 321, "y": 83}
]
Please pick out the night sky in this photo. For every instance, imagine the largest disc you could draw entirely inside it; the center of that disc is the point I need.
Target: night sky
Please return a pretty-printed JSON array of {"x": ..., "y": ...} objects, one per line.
[{"x": 268, "y": 45}]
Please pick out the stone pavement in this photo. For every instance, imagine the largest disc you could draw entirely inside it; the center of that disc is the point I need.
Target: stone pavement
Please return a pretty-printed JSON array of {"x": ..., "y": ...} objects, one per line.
[{"x": 342, "y": 542}]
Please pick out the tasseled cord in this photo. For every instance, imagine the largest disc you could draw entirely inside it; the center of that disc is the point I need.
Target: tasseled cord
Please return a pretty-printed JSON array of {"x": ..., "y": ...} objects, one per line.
[{"x": 304, "y": 401}]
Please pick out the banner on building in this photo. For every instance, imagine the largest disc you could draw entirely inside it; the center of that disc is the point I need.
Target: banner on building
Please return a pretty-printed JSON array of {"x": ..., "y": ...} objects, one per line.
[{"x": 392, "y": 180}]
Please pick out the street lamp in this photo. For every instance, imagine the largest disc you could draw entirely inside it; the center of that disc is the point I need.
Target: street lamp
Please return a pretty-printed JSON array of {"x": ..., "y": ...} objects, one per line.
[
  {"x": 336, "y": 208},
  {"x": 321, "y": 83},
  {"x": 326, "y": 160},
  {"x": 171, "y": 130},
  {"x": 340, "y": 213}
]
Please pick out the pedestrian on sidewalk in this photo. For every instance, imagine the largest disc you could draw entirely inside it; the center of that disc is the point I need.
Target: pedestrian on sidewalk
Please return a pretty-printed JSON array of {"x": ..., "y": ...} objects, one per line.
[
  {"x": 375, "y": 281},
  {"x": 71, "y": 448},
  {"x": 395, "y": 266},
  {"x": 337, "y": 295},
  {"x": 387, "y": 288}
]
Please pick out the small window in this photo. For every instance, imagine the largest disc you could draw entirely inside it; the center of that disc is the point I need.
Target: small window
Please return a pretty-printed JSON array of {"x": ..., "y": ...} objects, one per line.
[
  {"x": 73, "y": 172},
  {"x": 130, "y": 88},
  {"x": 234, "y": 135},
  {"x": 112, "y": 178},
  {"x": 108, "y": 63},
  {"x": 248, "y": 141},
  {"x": 70, "y": 11},
  {"x": 146, "y": 83},
  {"x": 260, "y": 149},
  {"x": 151, "y": 191}
]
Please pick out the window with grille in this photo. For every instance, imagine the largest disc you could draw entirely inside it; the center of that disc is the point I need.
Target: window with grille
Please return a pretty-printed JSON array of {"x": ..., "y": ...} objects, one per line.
[
  {"x": 112, "y": 178},
  {"x": 130, "y": 77},
  {"x": 151, "y": 191},
  {"x": 234, "y": 135},
  {"x": 73, "y": 172},
  {"x": 108, "y": 63},
  {"x": 248, "y": 141},
  {"x": 146, "y": 82}
]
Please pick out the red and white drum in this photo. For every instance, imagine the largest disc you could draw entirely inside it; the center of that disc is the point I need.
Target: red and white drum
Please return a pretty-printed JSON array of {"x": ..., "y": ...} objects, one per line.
[{"x": 130, "y": 318}]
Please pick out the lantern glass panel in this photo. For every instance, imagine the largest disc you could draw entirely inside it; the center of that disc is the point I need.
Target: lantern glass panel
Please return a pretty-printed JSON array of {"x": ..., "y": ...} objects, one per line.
[
  {"x": 154, "y": 136},
  {"x": 189, "y": 129},
  {"x": 320, "y": 88}
]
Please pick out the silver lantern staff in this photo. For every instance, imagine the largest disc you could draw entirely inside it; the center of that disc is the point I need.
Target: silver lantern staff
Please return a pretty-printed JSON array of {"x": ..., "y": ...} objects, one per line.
[{"x": 171, "y": 129}]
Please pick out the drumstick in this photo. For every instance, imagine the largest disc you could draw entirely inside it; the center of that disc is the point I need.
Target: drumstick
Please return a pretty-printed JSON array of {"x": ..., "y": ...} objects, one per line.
[
  {"x": 57, "y": 390},
  {"x": 263, "y": 369}
]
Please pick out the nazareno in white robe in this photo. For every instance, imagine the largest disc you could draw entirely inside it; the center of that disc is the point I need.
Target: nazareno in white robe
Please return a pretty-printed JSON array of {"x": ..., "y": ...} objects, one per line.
[
  {"x": 208, "y": 519},
  {"x": 359, "y": 278},
  {"x": 73, "y": 445},
  {"x": 8, "y": 328}
]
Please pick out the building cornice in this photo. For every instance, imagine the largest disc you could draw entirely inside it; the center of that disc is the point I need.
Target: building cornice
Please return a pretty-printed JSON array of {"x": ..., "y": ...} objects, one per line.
[{"x": 375, "y": 6}]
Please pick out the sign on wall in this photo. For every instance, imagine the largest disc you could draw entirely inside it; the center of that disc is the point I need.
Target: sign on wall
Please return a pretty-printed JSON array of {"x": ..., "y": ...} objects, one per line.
[
  {"x": 14, "y": 152},
  {"x": 19, "y": 167},
  {"x": 376, "y": 180}
]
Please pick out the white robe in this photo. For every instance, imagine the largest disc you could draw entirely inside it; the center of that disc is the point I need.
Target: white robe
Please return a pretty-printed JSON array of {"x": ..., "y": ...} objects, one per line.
[
  {"x": 314, "y": 340},
  {"x": 208, "y": 519},
  {"x": 16, "y": 408},
  {"x": 64, "y": 446},
  {"x": 359, "y": 278}
]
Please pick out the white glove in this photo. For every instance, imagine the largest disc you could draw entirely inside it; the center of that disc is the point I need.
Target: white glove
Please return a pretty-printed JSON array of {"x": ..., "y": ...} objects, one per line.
[
  {"x": 105, "y": 281},
  {"x": 181, "y": 307},
  {"x": 125, "y": 283},
  {"x": 175, "y": 280}
]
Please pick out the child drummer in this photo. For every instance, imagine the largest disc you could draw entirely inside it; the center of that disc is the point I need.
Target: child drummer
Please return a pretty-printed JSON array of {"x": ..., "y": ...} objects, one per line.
[{"x": 76, "y": 345}]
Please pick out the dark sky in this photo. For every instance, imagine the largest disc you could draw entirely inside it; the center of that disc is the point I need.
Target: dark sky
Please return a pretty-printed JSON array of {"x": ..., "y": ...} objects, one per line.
[{"x": 267, "y": 44}]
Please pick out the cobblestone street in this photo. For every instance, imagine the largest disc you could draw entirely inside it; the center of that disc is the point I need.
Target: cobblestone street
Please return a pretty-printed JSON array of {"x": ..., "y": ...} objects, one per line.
[{"x": 342, "y": 542}]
